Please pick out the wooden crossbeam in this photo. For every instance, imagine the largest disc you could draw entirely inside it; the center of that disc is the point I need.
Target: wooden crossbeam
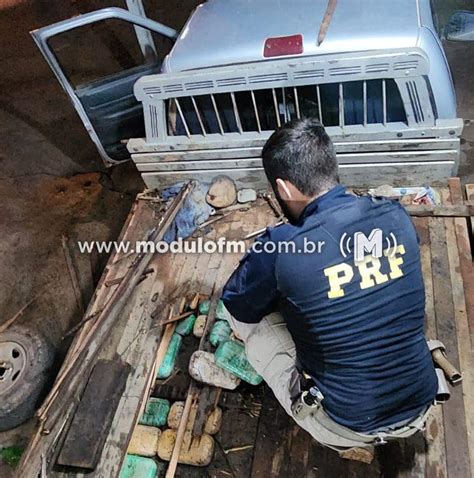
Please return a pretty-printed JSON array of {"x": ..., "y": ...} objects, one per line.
[{"x": 445, "y": 210}]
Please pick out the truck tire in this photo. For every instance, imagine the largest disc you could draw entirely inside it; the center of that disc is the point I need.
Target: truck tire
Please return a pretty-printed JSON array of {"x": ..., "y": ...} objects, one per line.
[{"x": 25, "y": 363}]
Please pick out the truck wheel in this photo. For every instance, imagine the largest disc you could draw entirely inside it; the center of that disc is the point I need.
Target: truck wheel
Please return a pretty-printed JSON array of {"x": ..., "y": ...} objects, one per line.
[{"x": 25, "y": 362}]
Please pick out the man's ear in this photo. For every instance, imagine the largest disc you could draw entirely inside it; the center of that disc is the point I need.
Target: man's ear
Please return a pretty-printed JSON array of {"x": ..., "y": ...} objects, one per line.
[{"x": 284, "y": 190}]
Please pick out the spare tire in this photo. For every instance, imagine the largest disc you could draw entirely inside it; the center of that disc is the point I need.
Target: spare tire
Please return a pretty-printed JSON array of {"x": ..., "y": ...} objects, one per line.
[{"x": 26, "y": 359}]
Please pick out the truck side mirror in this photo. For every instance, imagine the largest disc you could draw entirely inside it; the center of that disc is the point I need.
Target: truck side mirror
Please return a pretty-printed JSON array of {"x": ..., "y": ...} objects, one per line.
[{"x": 460, "y": 26}]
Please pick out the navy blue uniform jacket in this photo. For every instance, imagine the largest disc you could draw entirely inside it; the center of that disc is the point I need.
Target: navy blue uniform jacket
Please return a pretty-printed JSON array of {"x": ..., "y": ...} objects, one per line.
[{"x": 357, "y": 325}]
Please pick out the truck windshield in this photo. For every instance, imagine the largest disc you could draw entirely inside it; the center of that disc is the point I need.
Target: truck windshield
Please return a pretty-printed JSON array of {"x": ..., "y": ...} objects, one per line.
[{"x": 334, "y": 104}]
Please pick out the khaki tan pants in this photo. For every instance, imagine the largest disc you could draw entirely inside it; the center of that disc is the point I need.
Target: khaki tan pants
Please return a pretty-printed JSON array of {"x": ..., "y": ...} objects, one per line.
[{"x": 271, "y": 351}]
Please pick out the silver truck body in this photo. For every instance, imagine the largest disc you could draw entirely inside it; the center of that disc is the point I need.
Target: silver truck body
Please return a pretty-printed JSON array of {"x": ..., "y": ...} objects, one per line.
[{"x": 379, "y": 82}]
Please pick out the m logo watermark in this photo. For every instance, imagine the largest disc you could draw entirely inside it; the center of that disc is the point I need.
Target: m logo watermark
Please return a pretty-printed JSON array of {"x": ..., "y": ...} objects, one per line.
[{"x": 372, "y": 245}]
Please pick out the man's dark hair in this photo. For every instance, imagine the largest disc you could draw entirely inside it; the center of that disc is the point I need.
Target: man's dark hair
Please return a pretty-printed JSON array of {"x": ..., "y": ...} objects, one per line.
[{"x": 301, "y": 152}]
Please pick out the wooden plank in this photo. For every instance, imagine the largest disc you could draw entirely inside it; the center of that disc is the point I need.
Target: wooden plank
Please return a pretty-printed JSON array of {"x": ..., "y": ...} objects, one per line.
[
  {"x": 91, "y": 423},
  {"x": 455, "y": 195},
  {"x": 190, "y": 402},
  {"x": 238, "y": 431},
  {"x": 465, "y": 255},
  {"x": 358, "y": 175},
  {"x": 436, "y": 449},
  {"x": 283, "y": 449},
  {"x": 271, "y": 446},
  {"x": 147, "y": 163},
  {"x": 423, "y": 210},
  {"x": 466, "y": 360},
  {"x": 463, "y": 292},
  {"x": 127, "y": 410},
  {"x": 208, "y": 399},
  {"x": 457, "y": 450},
  {"x": 300, "y": 452},
  {"x": 249, "y": 151},
  {"x": 356, "y": 139},
  {"x": 470, "y": 198}
]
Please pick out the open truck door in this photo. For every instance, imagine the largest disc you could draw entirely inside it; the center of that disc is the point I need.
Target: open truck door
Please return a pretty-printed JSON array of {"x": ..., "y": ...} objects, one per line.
[{"x": 105, "y": 102}]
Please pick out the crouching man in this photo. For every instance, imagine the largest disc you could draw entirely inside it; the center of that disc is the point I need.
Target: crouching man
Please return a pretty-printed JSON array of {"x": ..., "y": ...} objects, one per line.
[{"x": 343, "y": 320}]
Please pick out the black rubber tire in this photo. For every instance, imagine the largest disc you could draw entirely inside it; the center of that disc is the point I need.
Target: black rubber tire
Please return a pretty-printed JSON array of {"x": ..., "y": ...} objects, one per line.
[{"x": 19, "y": 402}]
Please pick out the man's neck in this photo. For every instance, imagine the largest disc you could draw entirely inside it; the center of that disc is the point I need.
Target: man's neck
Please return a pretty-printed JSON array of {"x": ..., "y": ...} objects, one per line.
[{"x": 300, "y": 206}]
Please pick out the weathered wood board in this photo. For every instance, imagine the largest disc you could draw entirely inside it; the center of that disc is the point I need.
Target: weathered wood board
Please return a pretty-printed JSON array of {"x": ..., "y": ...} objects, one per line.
[{"x": 91, "y": 423}]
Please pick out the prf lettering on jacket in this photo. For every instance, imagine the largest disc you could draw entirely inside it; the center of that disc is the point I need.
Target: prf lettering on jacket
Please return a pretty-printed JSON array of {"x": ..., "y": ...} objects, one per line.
[{"x": 369, "y": 271}]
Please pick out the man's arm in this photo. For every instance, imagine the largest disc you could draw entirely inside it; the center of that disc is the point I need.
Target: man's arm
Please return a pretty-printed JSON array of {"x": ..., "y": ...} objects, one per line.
[{"x": 251, "y": 292}]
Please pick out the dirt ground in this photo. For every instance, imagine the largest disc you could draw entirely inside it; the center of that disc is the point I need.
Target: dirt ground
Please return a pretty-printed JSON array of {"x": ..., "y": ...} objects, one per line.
[{"x": 53, "y": 183}]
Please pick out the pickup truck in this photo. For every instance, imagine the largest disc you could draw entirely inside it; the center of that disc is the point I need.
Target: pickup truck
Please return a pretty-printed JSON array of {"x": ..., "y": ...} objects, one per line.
[{"x": 239, "y": 69}]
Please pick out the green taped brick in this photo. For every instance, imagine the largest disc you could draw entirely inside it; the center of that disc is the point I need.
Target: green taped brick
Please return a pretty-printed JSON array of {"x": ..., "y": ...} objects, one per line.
[
  {"x": 156, "y": 412},
  {"x": 185, "y": 326},
  {"x": 136, "y": 466},
  {"x": 169, "y": 360},
  {"x": 204, "y": 307},
  {"x": 230, "y": 355},
  {"x": 221, "y": 311},
  {"x": 220, "y": 332}
]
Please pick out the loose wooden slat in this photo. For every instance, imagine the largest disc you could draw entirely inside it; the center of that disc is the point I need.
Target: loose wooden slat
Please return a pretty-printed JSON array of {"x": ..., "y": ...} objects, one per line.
[
  {"x": 130, "y": 232},
  {"x": 457, "y": 454},
  {"x": 92, "y": 420},
  {"x": 208, "y": 396},
  {"x": 188, "y": 404},
  {"x": 436, "y": 449}
]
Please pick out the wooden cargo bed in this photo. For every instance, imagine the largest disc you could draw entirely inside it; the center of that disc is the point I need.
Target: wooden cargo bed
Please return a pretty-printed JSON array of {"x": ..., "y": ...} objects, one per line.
[{"x": 257, "y": 438}]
